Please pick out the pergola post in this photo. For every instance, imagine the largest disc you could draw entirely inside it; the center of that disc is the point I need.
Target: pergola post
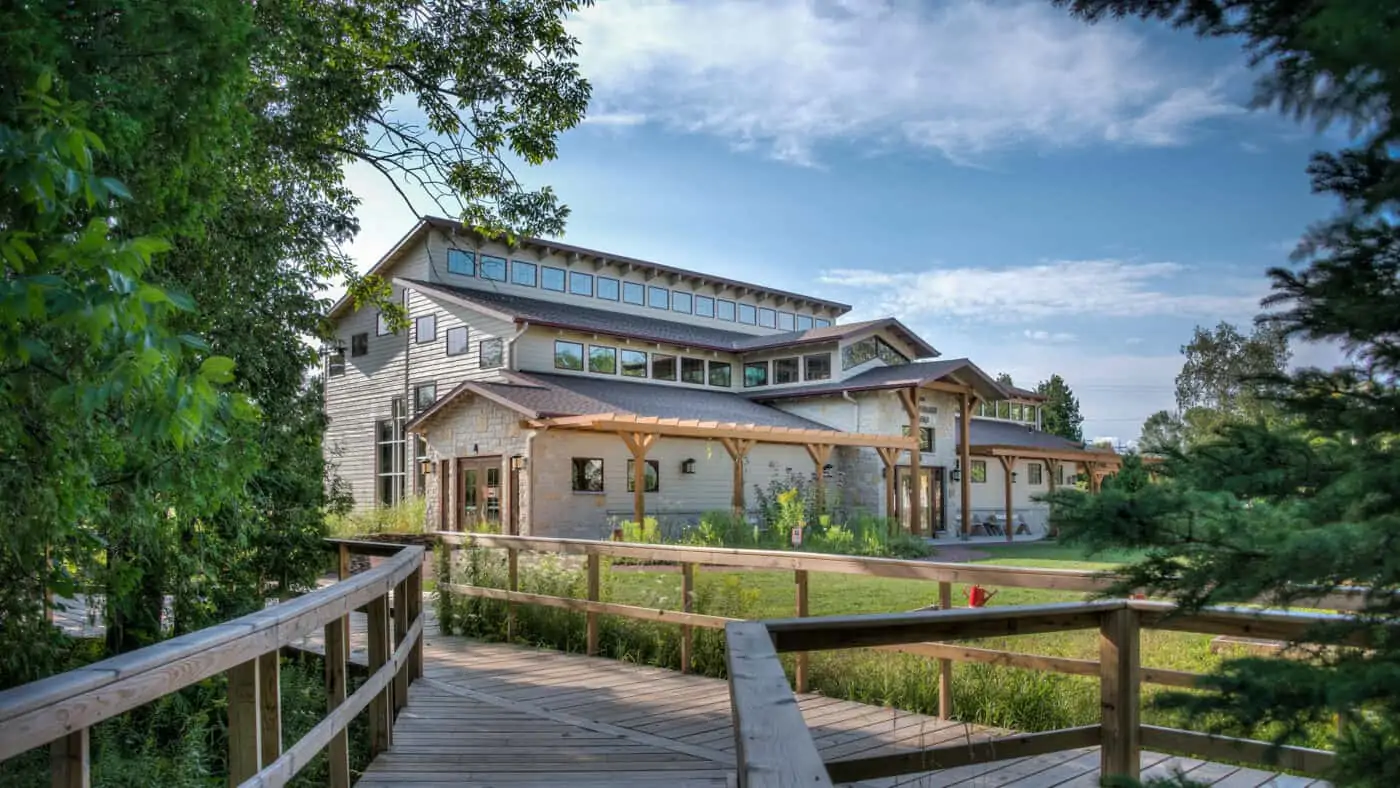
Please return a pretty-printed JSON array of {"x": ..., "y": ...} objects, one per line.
[
  {"x": 1008, "y": 467},
  {"x": 910, "y": 398},
  {"x": 738, "y": 449},
  {"x": 820, "y": 454},
  {"x": 965, "y": 462},
  {"x": 639, "y": 443},
  {"x": 891, "y": 459},
  {"x": 1052, "y": 467}
]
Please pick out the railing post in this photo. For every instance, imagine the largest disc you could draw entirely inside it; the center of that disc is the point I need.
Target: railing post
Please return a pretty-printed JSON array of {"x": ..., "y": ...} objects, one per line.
[
  {"x": 592, "y": 617},
  {"x": 687, "y": 606},
  {"x": 1119, "y": 691},
  {"x": 401, "y": 624},
  {"x": 800, "y": 659},
  {"x": 337, "y": 650},
  {"x": 244, "y": 732},
  {"x": 512, "y": 583},
  {"x": 945, "y": 666},
  {"x": 415, "y": 612},
  {"x": 270, "y": 705},
  {"x": 343, "y": 567},
  {"x": 380, "y": 708},
  {"x": 68, "y": 761}
]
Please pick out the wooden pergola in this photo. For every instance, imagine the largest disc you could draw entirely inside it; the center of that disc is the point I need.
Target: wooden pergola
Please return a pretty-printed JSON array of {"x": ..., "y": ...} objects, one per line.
[
  {"x": 640, "y": 433},
  {"x": 1097, "y": 466}
]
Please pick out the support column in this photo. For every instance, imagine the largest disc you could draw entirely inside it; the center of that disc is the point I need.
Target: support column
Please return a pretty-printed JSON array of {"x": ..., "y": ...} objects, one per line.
[
  {"x": 1008, "y": 470},
  {"x": 820, "y": 454},
  {"x": 910, "y": 398},
  {"x": 639, "y": 443},
  {"x": 738, "y": 449},
  {"x": 965, "y": 461},
  {"x": 891, "y": 459},
  {"x": 1052, "y": 467}
]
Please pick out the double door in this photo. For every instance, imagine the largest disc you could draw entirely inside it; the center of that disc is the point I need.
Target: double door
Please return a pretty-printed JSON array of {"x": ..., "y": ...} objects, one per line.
[
  {"x": 930, "y": 517},
  {"x": 478, "y": 493}
]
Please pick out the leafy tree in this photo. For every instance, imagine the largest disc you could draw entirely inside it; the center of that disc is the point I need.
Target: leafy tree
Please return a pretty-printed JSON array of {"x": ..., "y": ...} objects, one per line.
[
  {"x": 1004, "y": 379},
  {"x": 1060, "y": 414},
  {"x": 1162, "y": 433},
  {"x": 1312, "y": 498},
  {"x": 1219, "y": 379}
]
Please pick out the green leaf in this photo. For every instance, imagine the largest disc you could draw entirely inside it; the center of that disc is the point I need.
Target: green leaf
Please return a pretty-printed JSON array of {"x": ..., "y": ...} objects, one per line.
[
  {"x": 116, "y": 188},
  {"x": 218, "y": 369}
]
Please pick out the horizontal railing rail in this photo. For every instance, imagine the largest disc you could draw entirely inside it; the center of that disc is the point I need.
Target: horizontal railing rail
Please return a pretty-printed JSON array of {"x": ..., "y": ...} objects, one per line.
[{"x": 59, "y": 711}]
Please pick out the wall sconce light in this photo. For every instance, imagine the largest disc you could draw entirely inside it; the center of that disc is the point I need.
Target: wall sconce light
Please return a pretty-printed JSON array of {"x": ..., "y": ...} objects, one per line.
[
  {"x": 425, "y": 467},
  {"x": 687, "y": 466},
  {"x": 519, "y": 463},
  {"x": 474, "y": 451},
  {"x": 956, "y": 475},
  {"x": 827, "y": 469},
  {"x": 1013, "y": 476}
]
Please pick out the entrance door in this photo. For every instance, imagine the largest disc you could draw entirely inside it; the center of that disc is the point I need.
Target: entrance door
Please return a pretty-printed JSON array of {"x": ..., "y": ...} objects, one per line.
[
  {"x": 931, "y": 514},
  {"x": 478, "y": 493}
]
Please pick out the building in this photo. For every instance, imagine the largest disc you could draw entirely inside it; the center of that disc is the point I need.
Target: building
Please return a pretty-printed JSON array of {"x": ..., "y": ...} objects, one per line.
[{"x": 556, "y": 390}]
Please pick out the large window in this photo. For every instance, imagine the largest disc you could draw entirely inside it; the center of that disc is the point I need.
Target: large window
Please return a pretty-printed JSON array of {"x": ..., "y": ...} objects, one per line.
[
  {"x": 724, "y": 310},
  {"x": 425, "y": 329},
  {"x": 634, "y": 293},
  {"x": 359, "y": 345},
  {"x": 857, "y": 353},
  {"x": 552, "y": 279},
  {"x": 634, "y": 364},
  {"x": 461, "y": 262},
  {"x": 804, "y": 322},
  {"x": 822, "y": 322},
  {"x": 1034, "y": 473},
  {"x": 787, "y": 321},
  {"x": 785, "y": 370},
  {"x": 457, "y": 341},
  {"x": 663, "y": 367},
  {"x": 693, "y": 370},
  {"x": 925, "y": 437},
  {"x": 420, "y": 453},
  {"x": 568, "y": 355},
  {"x": 704, "y": 306},
  {"x": 580, "y": 283},
  {"x": 389, "y": 459},
  {"x": 493, "y": 268},
  {"x": 680, "y": 302},
  {"x": 335, "y": 364},
  {"x": 721, "y": 374},
  {"x": 424, "y": 395},
  {"x": 493, "y": 353},
  {"x": 767, "y": 318},
  {"x": 755, "y": 374},
  {"x": 652, "y": 473},
  {"x": 979, "y": 471},
  {"x": 381, "y": 325},
  {"x": 748, "y": 314},
  {"x": 658, "y": 298},
  {"x": 602, "y": 360},
  {"x": 588, "y": 474},
  {"x": 817, "y": 366},
  {"x": 607, "y": 288},
  {"x": 523, "y": 273}
]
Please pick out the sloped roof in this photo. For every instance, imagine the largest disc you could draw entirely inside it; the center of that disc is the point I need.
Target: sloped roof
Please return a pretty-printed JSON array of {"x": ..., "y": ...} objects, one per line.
[
  {"x": 892, "y": 377},
  {"x": 1016, "y": 392},
  {"x": 985, "y": 432},
  {"x": 541, "y": 395}
]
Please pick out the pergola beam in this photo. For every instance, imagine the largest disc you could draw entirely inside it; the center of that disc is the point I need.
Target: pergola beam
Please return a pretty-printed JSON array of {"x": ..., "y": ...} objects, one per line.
[
  {"x": 639, "y": 443},
  {"x": 1107, "y": 459},
  {"x": 910, "y": 398},
  {"x": 738, "y": 449},
  {"x": 712, "y": 430}
]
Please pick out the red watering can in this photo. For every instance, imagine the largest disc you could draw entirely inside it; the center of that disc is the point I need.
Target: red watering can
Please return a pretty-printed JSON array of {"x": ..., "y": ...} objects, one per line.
[{"x": 977, "y": 596}]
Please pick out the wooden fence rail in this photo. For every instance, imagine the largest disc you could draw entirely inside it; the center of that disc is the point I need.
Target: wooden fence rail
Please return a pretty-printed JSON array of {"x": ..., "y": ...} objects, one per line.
[{"x": 60, "y": 710}]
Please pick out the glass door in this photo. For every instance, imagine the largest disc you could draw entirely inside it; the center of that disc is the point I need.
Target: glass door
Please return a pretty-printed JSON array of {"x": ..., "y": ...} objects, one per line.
[
  {"x": 930, "y": 499},
  {"x": 478, "y": 493}
]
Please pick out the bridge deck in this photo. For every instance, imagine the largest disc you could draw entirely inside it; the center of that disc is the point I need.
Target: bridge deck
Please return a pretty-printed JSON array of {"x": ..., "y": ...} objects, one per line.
[{"x": 499, "y": 715}]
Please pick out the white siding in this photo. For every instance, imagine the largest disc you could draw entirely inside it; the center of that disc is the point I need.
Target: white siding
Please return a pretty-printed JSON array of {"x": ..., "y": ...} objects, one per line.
[{"x": 429, "y": 362}]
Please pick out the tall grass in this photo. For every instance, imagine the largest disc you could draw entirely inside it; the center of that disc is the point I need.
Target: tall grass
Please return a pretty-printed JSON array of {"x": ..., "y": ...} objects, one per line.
[{"x": 405, "y": 517}]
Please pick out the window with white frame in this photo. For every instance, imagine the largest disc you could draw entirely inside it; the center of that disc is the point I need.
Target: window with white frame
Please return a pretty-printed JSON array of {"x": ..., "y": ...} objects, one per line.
[{"x": 389, "y": 459}]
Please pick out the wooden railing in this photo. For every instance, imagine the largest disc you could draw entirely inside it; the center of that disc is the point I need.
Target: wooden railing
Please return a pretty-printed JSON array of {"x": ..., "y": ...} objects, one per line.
[
  {"x": 59, "y": 711},
  {"x": 775, "y": 748}
]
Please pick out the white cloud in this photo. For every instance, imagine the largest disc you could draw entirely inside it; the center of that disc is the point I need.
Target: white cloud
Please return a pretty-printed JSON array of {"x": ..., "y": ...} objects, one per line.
[
  {"x": 1112, "y": 288},
  {"x": 1251, "y": 147},
  {"x": 963, "y": 78},
  {"x": 1133, "y": 341},
  {"x": 616, "y": 119},
  {"x": 1040, "y": 335}
]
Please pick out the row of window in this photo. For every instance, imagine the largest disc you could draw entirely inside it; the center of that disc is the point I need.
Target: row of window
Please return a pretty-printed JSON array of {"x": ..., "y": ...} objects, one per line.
[
  {"x": 490, "y": 350},
  {"x": 607, "y": 360},
  {"x": 1035, "y": 473},
  {"x": 1010, "y": 411},
  {"x": 588, "y": 475},
  {"x": 580, "y": 283}
]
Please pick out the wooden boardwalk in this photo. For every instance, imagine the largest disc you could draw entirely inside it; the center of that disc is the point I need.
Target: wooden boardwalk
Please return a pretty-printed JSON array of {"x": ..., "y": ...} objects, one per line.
[{"x": 499, "y": 715}]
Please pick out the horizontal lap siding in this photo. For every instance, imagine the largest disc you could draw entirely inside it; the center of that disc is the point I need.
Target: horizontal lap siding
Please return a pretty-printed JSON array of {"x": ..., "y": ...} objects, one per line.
[{"x": 429, "y": 363}]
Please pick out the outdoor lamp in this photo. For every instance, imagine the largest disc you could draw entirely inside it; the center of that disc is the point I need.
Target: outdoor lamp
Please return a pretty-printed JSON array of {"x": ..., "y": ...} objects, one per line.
[{"x": 688, "y": 466}]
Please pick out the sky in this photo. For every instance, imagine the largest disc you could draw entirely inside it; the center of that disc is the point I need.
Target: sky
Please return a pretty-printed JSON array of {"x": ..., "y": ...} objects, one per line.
[{"x": 1039, "y": 195}]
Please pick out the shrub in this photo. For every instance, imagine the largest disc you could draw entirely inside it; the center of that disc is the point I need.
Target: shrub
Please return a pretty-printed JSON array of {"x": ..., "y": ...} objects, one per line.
[
  {"x": 648, "y": 532},
  {"x": 406, "y": 517}
]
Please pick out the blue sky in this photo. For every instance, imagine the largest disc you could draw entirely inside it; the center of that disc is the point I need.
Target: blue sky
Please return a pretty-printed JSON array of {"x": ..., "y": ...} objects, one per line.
[{"x": 1036, "y": 194}]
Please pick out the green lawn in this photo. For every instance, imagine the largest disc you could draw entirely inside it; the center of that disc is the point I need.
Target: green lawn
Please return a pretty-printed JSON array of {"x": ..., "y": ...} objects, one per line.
[{"x": 1052, "y": 555}]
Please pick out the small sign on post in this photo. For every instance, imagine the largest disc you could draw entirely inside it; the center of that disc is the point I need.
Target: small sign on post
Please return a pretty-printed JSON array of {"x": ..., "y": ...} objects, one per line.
[{"x": 797, "y": 536}]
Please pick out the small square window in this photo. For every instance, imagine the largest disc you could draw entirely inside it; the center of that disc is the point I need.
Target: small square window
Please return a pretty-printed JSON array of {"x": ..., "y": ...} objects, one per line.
[
  {"x": 693, "y": 370},
  {"x": 724, "y": 310},
  {"x": 979, "y": 471},
  {"x": 335, "y": 364},
  {"x": 822, "y": 323},
  {"x": 424, "y": 395},
  {"x": 787, "y": 321},
  {"x": 663, "y": 367},
  {"x": 588, "y": 474},
  {"x": 523, "y": 273},
  {"x": 817, "y": 366},
  {"x": 425, "y": 329},
  {"x": 704, "y": 306},
  {"x": 568, "y": 355},
  {"x": 680, "y": 302},
  {"x": 658, "y": 298},
  {"x": 381, "y": 325},
  {"x": 580, "y": 283},
  {"x": 602, "y": 360},
  {"x": 925, "y": 437},
  {"x": 785, "y": 370},
  {"x": 755, "y": 374},
  {"x": 1034, "y": 474},
  {"x": 633, "y": 293},
  {"x": 748, "y": 314},
  {"x": 607, "y": 288},
  {"x": 457, "y": 341},
  {"x": 767, "y": 318},
  {"x": 552, "y": 279},
  {"x": 652, "y": 474},
  {"x": 634, "y": 364},
  {"x": 461, "y": 262},
  {"x": 493, "y": 268},
  {"x": 359, "y": 344},
  {"x": 721, "y": 374},
  {"x": 493, "y": 353},
  {"x": 804, "y": 322}
]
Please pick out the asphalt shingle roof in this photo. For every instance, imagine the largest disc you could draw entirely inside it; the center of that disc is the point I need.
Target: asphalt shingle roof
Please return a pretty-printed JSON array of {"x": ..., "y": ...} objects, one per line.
[{"x": 1005, "y": 433}]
